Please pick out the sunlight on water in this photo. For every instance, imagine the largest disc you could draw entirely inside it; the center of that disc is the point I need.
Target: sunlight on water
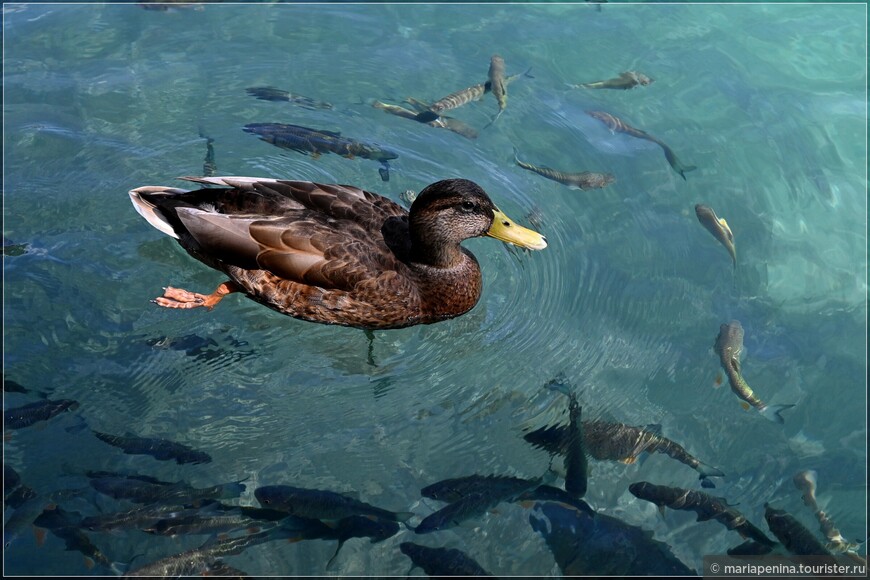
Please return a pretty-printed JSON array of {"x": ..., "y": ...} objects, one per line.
[{"x": 624, "y": 304}]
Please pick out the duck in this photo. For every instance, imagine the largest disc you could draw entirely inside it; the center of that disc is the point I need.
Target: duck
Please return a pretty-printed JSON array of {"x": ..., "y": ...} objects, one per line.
[{"x": 333, "y": 254}]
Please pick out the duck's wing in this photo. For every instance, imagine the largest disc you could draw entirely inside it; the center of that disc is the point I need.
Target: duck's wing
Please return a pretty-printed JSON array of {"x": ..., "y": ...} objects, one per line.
[
  {"x": 301, "y": 246},
  {"x": 344, "y": 202}
]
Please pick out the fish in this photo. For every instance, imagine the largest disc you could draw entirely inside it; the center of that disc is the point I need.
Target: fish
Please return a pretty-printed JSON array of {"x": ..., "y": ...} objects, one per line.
[
  {"x": 11, "y": 480},
  {"x": 315, "y": 142},
  {"x": 22, "y": 517},
  {"x": 13, "y": 250},
  {"x": 619, "y": 126},
  {"x": 576, "y": 467},
  {"x": 65, "y": 525},
  {"x": 600, "y": 545},
  {"x": 215, "y": 519},
  {"x": 201, "y": 560},
  {"x": 160, "y": 449},
  {"x": 18, "y": 496},
  {"x": 792, "y": 534},
  {"x": 442, "y": 561},
  {"x": 141, "y": 518},
  {"x": 441, "y": 122},
  {"x": 806, "y": 482},
  {"x": 626, "y": 80},
  {"x": 140, "y": 489},
  {"x": 729, "y": 345},
  {"x": 10, "y": 386},
  {"x": 320, "y": 504},
  {"x": 32, "y": 413},
  {"x": 469, "y": 506},
  {"x": 719, "y": 228},
  {"x": 619, "y": 442},
  {"x": 504, "y": 487},
  {"x": 454, "y": 100},
  {"x": 706, "y": 506},
  {"x": 209, "y": 167},
  {"x": 273, "y": 94},
  {"x": 358, "y": 526},
  {"x": 497, "y": 84},
  {"x": 582, "y": 180}
]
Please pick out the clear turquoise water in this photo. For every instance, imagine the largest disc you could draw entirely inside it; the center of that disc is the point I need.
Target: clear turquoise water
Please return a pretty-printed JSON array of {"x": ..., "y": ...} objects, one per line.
[{"x": 769, "y": 101}]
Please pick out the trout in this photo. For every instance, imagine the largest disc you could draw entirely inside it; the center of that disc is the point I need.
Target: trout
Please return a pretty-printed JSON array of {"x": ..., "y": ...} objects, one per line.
[
  {"x": 618, "y": 126},
  {"x": 618, "y": 442},
  {"x": 706, "y": 506},
  {"x": 719, "y": 228},
  {"x": 806, "y": 482},
  {"x": 729, "y": 345},
  {"x": 497, "y": 84},
  {"x": 583, "y": 180},
  {"x": 626, "y": 80}
]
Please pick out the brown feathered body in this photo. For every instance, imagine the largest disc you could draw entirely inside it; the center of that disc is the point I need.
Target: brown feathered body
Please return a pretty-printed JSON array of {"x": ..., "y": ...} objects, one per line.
[{"x": 333, "y": 254}]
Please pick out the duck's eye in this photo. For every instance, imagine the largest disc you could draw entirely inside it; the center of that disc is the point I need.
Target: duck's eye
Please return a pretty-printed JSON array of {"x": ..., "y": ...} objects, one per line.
[{"x": 468, "y": 206}]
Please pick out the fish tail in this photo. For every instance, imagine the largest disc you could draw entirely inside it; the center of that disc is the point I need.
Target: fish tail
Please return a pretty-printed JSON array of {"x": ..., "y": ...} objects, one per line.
[
  {"x": 706, "y": 471},
  {"x": 772, "y": 412},
  {"x": 675, "y": 163}
]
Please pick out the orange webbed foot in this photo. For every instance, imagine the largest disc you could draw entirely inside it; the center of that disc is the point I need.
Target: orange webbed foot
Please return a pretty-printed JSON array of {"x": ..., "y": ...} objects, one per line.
[{"x": 180, "y": 298}]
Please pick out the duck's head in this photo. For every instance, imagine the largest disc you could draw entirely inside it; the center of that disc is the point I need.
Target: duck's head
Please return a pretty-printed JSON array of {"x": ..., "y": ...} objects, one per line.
[{"x": 452, "y": 210}]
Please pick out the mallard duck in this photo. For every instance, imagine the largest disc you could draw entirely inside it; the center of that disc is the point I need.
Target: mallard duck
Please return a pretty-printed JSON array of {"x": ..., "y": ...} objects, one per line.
[{"x": 333, "y": 254}]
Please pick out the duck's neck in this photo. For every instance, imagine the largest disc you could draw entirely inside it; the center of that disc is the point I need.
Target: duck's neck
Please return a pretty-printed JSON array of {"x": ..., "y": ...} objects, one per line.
[
  {"x": 449, "y": 291},
  {"x": 442, "y": 256}
]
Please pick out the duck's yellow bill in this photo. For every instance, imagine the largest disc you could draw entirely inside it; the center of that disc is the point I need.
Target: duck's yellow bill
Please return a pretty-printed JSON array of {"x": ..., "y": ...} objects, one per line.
[{"x": 504, "y": 229}]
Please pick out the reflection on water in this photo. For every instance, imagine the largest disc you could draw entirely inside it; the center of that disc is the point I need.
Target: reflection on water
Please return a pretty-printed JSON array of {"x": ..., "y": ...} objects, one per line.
[{"x": 625, "y": 302}]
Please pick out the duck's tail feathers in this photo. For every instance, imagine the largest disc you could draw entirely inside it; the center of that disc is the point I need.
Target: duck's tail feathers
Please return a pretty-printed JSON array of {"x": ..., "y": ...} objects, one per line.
[
  {"x": 772, "y": 413},
  {"x": 147, "y": 209}
]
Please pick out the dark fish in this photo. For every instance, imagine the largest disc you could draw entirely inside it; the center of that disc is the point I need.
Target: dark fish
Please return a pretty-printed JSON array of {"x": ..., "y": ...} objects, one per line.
[
  {"x": 625, "y": 80},
  {"x": 375, "y": 528},
  {"x": 13, "y": 250},
  {"x": 469, "y": 506},
  {"x": 314, "y": 141},
  {"x": 442, "y": 561},
  {"x": 618, "y": 126},
  {"x": 618, "y": 442},
  {"x": 160, "y": 449},
  {"x": 320, "y": 504},
  {"x": 601, "y": 545},
  {"x": 794, "y": 536},
  {"x": 65, "y": 525},
  {"x": 10, "y": 386},
  {"x": 706, "y": 506},
  {"x": 273, "y": 94},
  {"x": 729, "y": 345},
  {"x": 503, "y": 487},
  {"x": 806, "y": 482},
  {"x": 209, "y": 167},
  {"x": 550, "y": 493},
  {"x": 22, "y": 518},
  {"x": 497, "y": 84},
  {"x": 34, "y": 412},
  {"x": 18, "y": 496},
  {"x": 576, "y": 467},
  {"x": 140, "y": 491},
  {"x": 582, "y": 180},
  {"x": 750, "y": 548},
  {"x": 719, "y": 228},
  {"x": 11, "y": 480}
]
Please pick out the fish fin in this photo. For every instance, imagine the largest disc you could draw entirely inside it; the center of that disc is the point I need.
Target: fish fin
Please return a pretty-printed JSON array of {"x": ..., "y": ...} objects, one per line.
[
  {"x": 89, "y": 563},
  {"x": 771, "y": 412},
  {"x": 707, "y": 484},
  {"x": 527, "y": 503},
  {"x": 403, "y": 516},
  {"x": 350, "y": 156},
  {"x": 654, "y": 428},
  {"x": 329, "y": 564},
  {"x": 39, "y": 534},
  {"x": 661, "y": 510},
  {"x": 727, "y": 229},
  {"x": 426, "y": 117},
  {"x": 629, "y": 460},
  {"x": 254, "y": 529},
  {"x": 719, "y": 380},
  {"x": 315, "y": 154},
  {"x": 706, "y": 471},
  {"x": 746, "y": 406}
]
